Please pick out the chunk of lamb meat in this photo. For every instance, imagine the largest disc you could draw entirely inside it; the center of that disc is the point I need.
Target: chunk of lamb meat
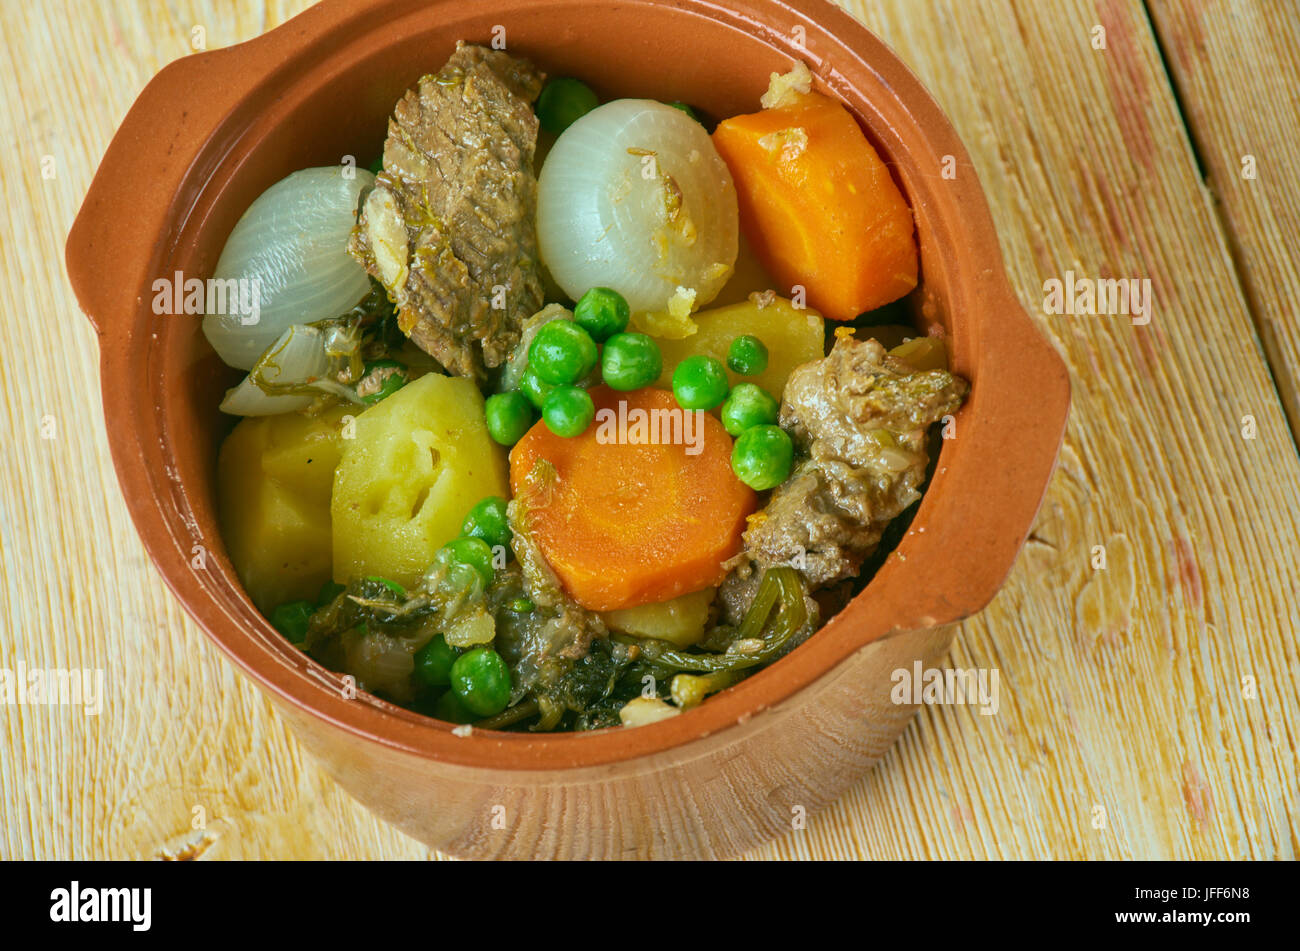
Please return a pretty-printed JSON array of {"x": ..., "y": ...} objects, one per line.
[
  {"x": 448, "y": 228},
  {"x": 858, "y": 418}
]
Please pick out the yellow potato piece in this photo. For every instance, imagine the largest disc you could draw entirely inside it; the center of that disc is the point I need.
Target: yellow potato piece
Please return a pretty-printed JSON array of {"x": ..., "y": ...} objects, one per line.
[
  {"x": 792, "y": 337},
  {"x": 681, "y": 620},
  {"x": 274, "y": 475},
  {"x": 749, "y": 275},
  {"x": 419, "y": 461}
]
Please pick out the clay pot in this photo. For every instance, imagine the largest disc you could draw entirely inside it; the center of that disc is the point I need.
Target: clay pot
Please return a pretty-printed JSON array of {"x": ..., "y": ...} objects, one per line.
[{"x": 213, "y": 130}]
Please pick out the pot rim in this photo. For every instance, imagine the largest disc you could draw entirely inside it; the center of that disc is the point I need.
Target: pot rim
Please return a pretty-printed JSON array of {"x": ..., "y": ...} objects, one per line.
[{"x": 914, "y": 590}]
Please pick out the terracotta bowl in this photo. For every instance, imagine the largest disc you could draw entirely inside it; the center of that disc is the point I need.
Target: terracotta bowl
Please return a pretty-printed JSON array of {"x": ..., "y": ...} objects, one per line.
[{"x": 213, "y": 130}]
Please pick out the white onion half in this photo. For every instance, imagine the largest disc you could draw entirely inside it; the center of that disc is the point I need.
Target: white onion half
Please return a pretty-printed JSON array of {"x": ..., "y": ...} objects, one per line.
[
  {"x": 603, "y": 203},
  {"x": 298, "y": 357},
  {"x": 291, "y": 246}
]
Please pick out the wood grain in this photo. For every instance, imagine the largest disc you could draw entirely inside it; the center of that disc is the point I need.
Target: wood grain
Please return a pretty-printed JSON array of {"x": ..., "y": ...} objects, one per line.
[
  {"x": 1242, "y": 111},
  {"x": 1123, "y": 730}
]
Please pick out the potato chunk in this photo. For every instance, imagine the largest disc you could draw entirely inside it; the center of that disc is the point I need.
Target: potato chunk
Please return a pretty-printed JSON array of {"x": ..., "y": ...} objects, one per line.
[
  {"x": 792, "y": 337},
  {"x": 274, "y": 476},
  {"x": 681, "y": 620},
  {"x": 418, "y": 463}
]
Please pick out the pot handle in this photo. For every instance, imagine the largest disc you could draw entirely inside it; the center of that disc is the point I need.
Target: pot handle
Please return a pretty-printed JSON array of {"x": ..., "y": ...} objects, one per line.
[
  {"x": 115, "y": 236},
  {"x": 1013, "y": 424}
]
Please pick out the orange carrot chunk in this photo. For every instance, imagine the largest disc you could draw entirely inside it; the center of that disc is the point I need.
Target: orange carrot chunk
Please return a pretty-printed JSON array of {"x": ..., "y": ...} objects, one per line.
[
  {"x": 819, "y": 206},
  {"x": 623, "y": 521}
]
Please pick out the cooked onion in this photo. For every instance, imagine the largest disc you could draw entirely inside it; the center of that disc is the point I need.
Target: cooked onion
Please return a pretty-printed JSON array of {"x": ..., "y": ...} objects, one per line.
[
  {"x": 381, "y": 663},
  {"x": 634, "y": 196},
  {"x": 293, "y": 241},
  {"x": 298, "y": 357}
]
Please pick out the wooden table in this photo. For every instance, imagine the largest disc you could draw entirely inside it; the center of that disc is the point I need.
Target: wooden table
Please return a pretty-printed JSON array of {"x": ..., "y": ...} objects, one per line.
[{"x": 1148, "y": 709}]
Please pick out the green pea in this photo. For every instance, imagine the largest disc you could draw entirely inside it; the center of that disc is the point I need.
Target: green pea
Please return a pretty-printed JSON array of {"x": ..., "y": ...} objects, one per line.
[
  {"x": 475, "y": 553},
  {"x": 522, "y": 606},
  {"x": 602, "y": 312},
  {"x": 392, "y": 586},
  {"x": 450, "y": 708},
  {"x": 747, "y": 356},
  {"x": 562, "y": 353},
  {"x": 433, "y": 662},
  {"x": 700, "y": 382},
  {"x": 291, "y": 619},
  {"x": 386, "y": 389},
  {"x": 328, "y": 592},
  {"x": 535, "y": 388},
  {"x": 487, "y": 520},
  {"x": 762, "y": 456},
  {"x": 392, "y": 383},
  {"x": 568, "y": 411},
  {"x": 509, "y": 416},
  {"x": 630, "y": 361},
  {"x": 748, "y": 405},
  {"x": 563, "y": 102},
  {"x": 678, "y": 104},
  {"x": 481, "y": 681}
]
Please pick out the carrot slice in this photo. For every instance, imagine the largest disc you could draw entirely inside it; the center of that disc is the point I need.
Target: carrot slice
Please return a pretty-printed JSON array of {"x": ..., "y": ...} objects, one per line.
[
  {"x": 819, "y": 206},
  {"x": 623, "y": 521}
]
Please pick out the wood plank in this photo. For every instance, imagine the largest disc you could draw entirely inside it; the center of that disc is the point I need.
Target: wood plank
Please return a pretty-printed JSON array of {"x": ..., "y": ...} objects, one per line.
[
  {"x": 1120, "y": 688},
  {"x": 1088, "y": 168},
  {"x": 180, "y": 728},
  {"x": 1237, "y": 67}
]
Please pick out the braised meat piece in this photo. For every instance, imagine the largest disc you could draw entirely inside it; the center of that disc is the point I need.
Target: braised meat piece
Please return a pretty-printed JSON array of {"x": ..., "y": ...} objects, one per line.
[
  {"x": 858, "y": 418},
  {"x": 448, "y": 228}
]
